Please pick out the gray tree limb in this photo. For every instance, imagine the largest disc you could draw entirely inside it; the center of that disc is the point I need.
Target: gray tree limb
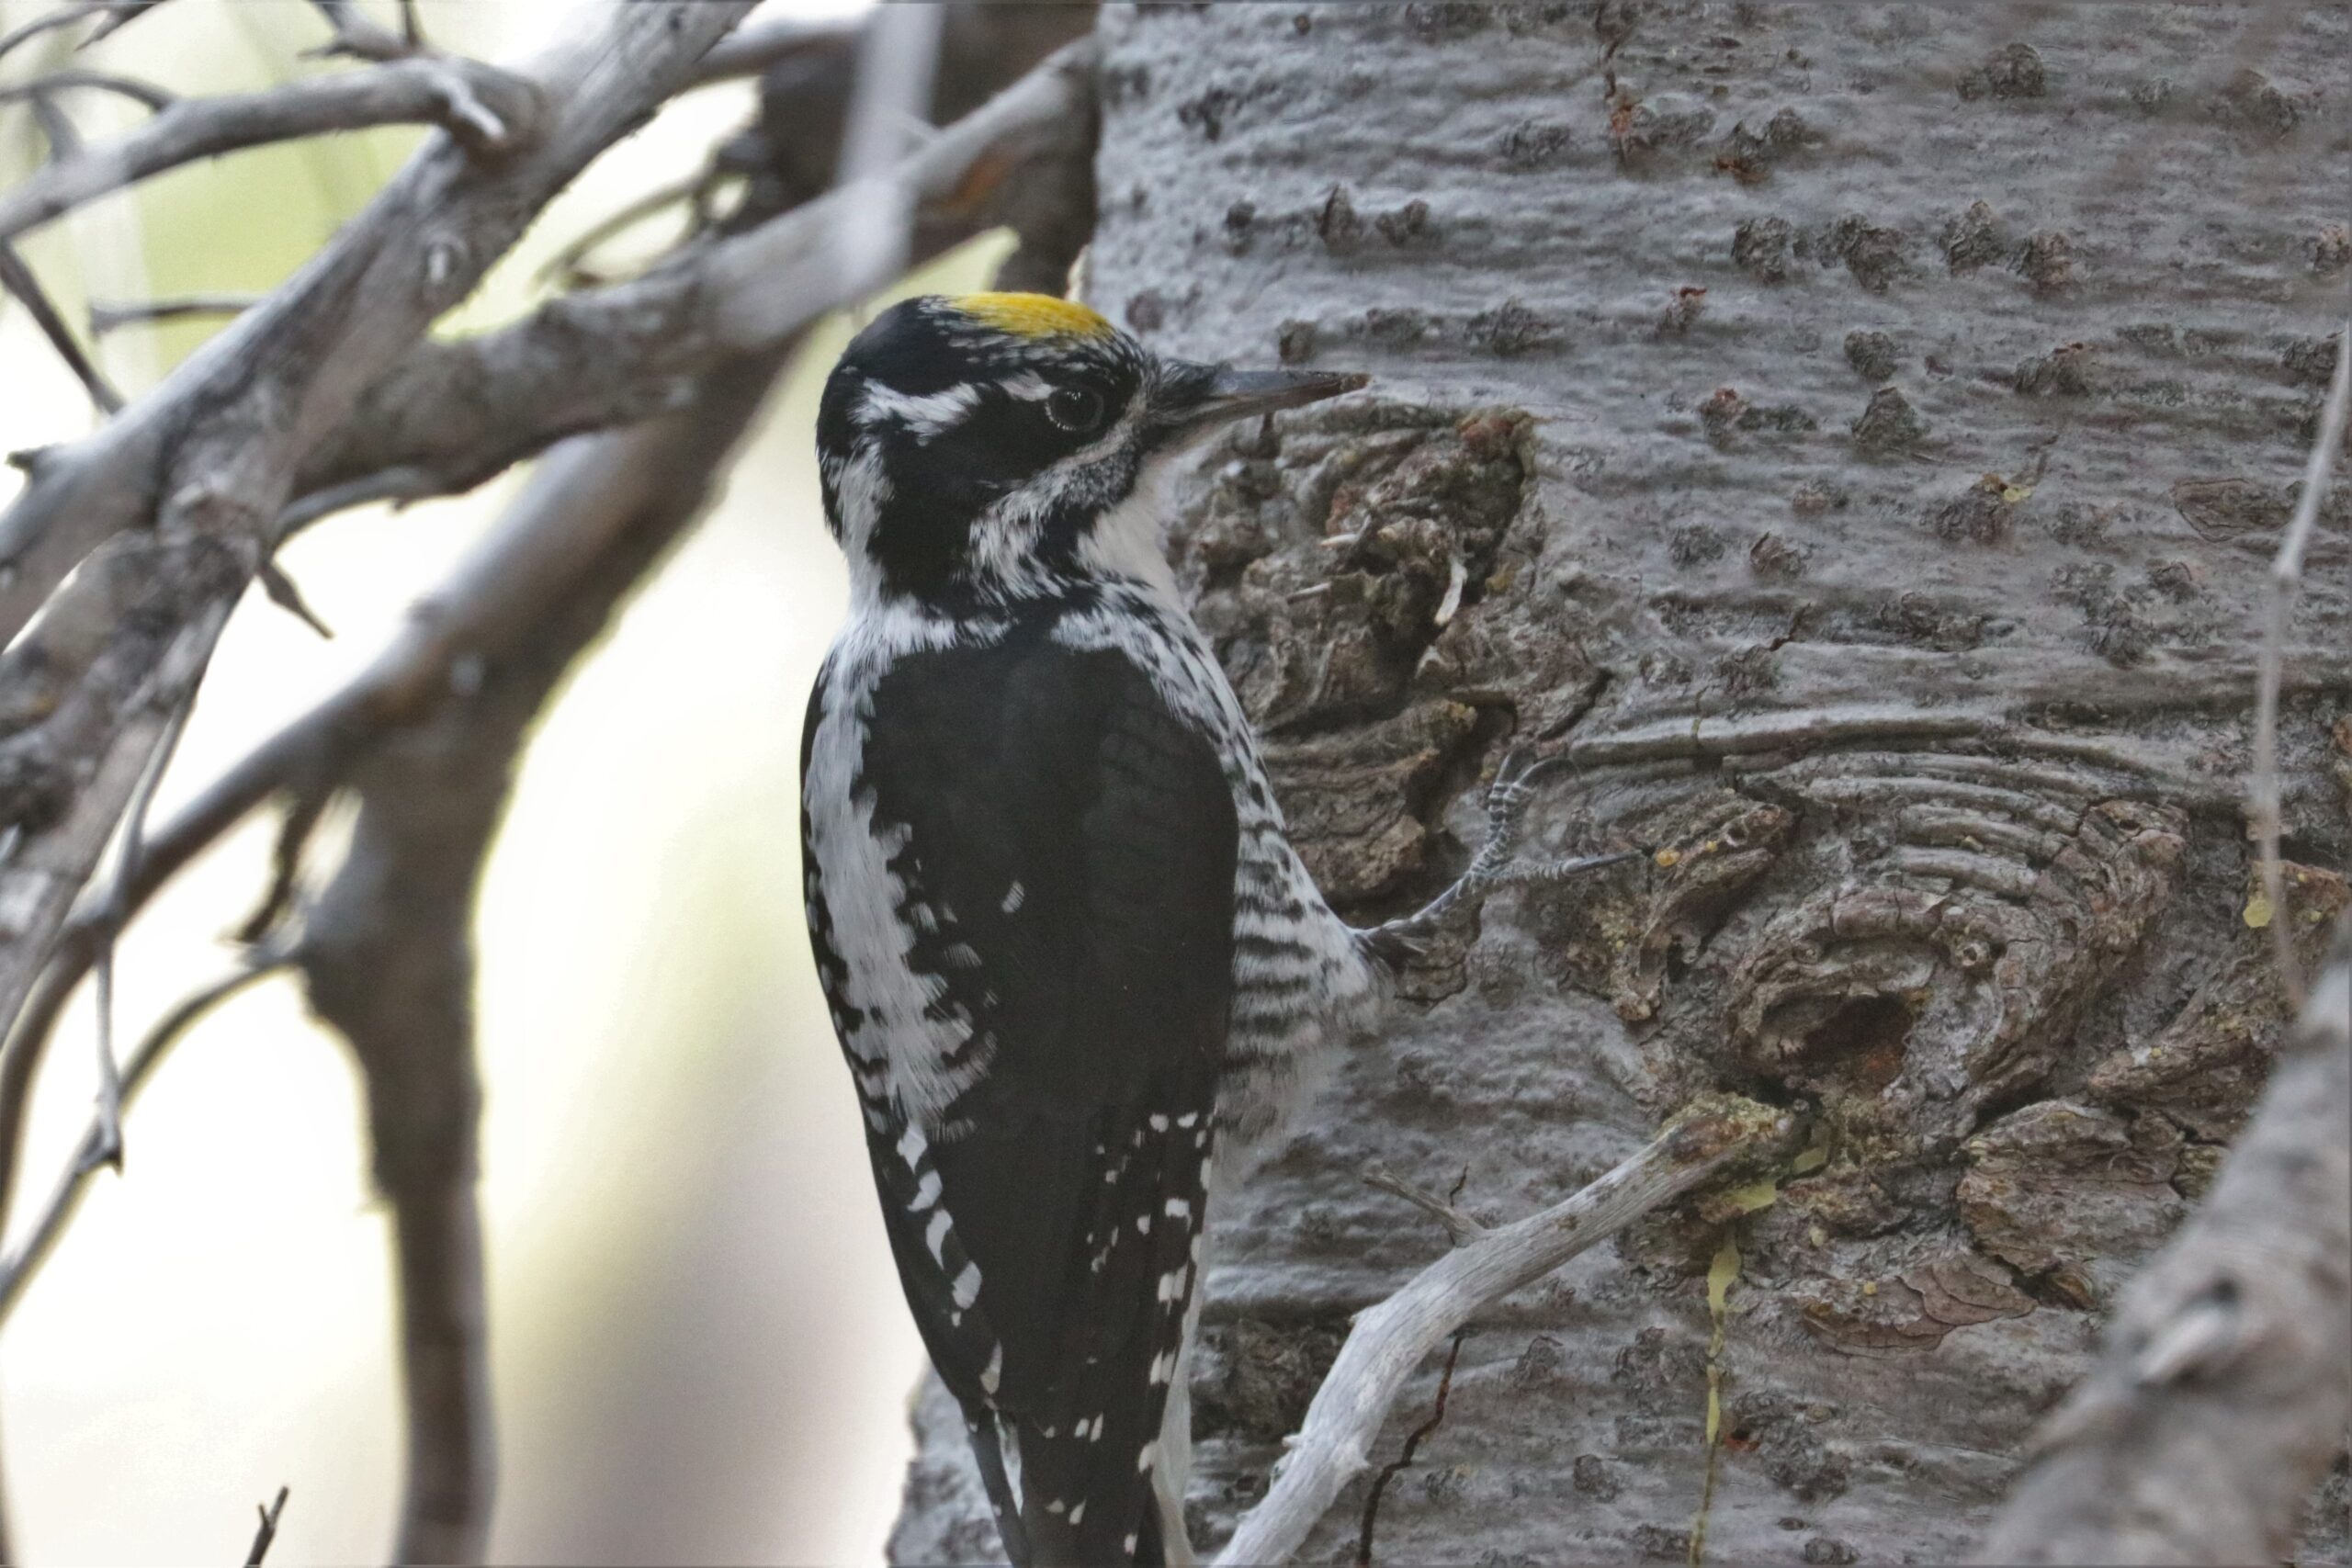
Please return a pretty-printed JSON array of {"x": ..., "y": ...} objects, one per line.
[
  {"x": 506, "y": 585},
  {"x": 2224, "y": 1390}
]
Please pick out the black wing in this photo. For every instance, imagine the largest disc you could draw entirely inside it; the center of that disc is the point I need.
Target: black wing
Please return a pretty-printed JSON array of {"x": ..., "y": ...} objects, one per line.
[{"x": 1073, "y": 843}]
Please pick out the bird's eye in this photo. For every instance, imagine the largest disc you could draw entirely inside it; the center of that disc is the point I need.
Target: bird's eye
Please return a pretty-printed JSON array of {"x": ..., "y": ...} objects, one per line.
[{"x": 1077, "y": 409}]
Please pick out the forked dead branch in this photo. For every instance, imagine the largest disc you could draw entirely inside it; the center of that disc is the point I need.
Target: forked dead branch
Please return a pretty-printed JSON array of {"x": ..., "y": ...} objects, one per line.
[{"x": 1391, "y": 1340}]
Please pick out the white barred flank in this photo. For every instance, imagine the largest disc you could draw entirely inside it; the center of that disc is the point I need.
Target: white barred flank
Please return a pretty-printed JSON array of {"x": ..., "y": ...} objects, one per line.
[
  {"x": 1301, "y": 980},
  {"x": 899, "y": 1043}
]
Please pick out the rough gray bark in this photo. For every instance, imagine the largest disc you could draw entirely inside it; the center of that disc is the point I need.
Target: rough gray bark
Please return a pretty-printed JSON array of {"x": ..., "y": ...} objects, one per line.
[{"x": 1856, "y": 434}]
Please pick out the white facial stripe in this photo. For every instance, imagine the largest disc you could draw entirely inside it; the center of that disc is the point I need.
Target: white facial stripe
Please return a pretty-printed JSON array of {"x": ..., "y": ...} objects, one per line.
[
  {"x": 1029, "y": 387},
  {"x": 859, "y": 494},
  {"x": 924, "y": 417}
]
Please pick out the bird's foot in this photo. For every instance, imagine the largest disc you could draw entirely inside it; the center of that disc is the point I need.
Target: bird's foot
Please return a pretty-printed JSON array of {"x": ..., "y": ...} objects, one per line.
[{"x": 1494, "y": 865}]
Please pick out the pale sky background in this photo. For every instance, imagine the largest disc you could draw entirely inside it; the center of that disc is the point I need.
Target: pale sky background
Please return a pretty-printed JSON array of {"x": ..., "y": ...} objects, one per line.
[{"x": 699, "y": 1350}]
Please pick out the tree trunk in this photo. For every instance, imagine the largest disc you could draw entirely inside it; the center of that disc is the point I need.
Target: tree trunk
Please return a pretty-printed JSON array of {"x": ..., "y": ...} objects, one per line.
[{"x": 1855, "y": 436}]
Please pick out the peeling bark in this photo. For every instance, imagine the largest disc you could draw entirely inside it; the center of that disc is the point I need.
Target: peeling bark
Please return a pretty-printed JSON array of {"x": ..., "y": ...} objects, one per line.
[{"x": 1854, "y": 434}]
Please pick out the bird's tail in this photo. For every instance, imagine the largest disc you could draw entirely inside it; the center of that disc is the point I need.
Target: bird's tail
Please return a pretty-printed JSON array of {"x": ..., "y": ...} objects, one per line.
[{"x": 1061, "y": 1498}]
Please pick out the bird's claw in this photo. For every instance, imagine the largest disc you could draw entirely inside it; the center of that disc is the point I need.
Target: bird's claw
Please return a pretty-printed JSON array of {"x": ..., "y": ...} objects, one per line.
[{"x": 1401, "y": 940}]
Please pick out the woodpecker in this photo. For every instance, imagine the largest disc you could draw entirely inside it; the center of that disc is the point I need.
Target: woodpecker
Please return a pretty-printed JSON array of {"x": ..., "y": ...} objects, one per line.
[{"x": 1072, "y": 961}]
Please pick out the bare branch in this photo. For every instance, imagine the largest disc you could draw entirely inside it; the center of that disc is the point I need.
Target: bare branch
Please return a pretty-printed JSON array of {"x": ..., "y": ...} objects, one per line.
[
  {"x": 450, "y": 415},
  {"x": 146, "y": 93},
  {"x": 2222, "y": 1392},
  {"x": 1390, "y": 1339},
  {"x": 106, "y": 317},
  {"x": 114, "y": 909},
  {"x": 427, "y": 756},
  {"x": 356, "y": 37},
  {"x": 386, "y": 951},
  {"x": 113, "y": 14},
  {"x": 19, "y": 1267},
  {"x": 516, "y": 572},
  {"x": 267, "y": 1531},
  {"x": 154, "y": 645},
  {"x": 458, "y": 95},
  {"x": 1461, "y": 1229},
  {"x": 1404, "y": 1460},
  {"x": 18, "y": 280},
  {"x": 750, "y": 50},
  {"x": 896, "y": 58},
  {"x": 2285, "y": 588}
]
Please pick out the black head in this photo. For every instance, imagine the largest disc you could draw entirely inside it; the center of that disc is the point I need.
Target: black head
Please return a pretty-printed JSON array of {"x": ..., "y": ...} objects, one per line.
[{"x": 991, "y": 445}]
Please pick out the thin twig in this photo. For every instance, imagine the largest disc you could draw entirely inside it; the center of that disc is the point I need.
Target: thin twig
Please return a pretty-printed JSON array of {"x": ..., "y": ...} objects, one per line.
[
  {"x": 109, "y": 316},
  {"x": 287, "y": 595},
  {"x": 147, "y": 92},
  {"x": 19, "y": 1268},
  {"x": 57, "y": 129},
  {"x": 747, "y": 51},
  {"x": 113, "y": 14},
  {"x": 568, "y": 264},
  {"x": 1390, "y": 1339},
  {"x": 1460, "y": 1228},
  {"x": 19, "y": 281},
  {"x": 356, "y": 37},
  {"x": 2285, "y": 588},
  {"x": 1404, "y": 1461},
  {"x": 267, "y": 1532},
  {"x": 114, "y": 910}
]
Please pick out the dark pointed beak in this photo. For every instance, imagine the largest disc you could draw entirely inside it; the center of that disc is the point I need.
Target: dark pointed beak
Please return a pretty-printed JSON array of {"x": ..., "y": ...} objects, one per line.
[{"x": 1190, "y": 399}]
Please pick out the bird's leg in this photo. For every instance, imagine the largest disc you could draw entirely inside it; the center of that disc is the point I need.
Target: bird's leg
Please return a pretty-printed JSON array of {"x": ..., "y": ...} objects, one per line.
[{"x": 1491, "y": 867}]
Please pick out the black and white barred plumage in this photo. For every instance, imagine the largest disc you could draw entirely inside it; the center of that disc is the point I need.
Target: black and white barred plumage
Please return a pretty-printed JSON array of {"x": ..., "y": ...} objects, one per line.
[{"x": 1070, "y": 956}]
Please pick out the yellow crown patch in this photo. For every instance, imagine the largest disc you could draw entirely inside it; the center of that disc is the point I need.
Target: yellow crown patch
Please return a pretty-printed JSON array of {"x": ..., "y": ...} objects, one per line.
[{"x": 1033, "y": 315}]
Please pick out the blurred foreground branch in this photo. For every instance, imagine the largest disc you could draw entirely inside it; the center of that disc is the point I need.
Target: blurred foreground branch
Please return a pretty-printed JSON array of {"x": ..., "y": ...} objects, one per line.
[
  {"x": 385, "y": 950},
  {"x": 2225, "y": 1386}
]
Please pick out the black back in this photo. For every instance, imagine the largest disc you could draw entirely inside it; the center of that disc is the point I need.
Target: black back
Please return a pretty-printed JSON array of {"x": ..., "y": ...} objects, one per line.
[{"x": 1073, "y": 1168}]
